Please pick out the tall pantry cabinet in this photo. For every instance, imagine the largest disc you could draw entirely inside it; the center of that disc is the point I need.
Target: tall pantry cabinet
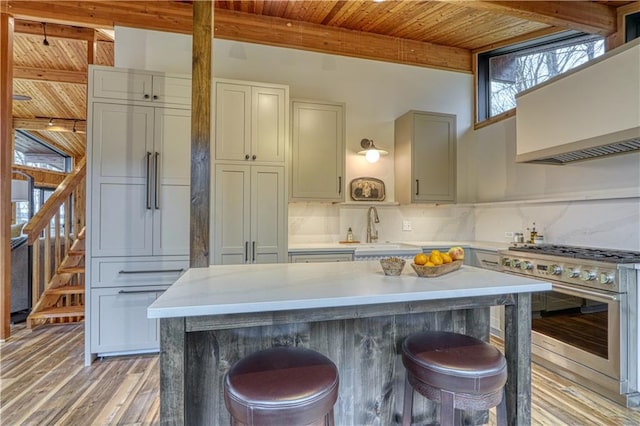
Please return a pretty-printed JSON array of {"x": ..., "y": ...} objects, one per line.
[
  {"x": 249, "y": 201},
  {"x": 138, "y": 177}
]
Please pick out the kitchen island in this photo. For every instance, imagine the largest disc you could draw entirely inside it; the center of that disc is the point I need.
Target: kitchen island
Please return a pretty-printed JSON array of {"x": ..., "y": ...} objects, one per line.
[{"x": 349, "y": 311}]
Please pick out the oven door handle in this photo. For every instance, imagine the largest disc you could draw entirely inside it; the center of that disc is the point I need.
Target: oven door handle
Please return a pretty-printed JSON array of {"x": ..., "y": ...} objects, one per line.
[{"x": 593, "y": 295}]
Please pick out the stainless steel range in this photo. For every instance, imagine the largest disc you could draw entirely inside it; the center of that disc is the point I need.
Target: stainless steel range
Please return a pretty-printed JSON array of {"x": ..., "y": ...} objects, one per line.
[{"x": 587, "y": 327}]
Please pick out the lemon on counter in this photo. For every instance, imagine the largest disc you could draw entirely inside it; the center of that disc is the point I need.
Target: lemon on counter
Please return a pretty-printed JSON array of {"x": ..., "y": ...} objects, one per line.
[
  {"x": 436, "y": 259},
  {"x": 420, "y": 259}
]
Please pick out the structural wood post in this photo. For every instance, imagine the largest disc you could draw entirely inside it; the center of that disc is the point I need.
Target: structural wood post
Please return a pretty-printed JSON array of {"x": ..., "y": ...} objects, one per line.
[
  {"x": 517, "y": 342},
  {"x": 6, "y": 152},
  {"x": 201, "y": 132}
]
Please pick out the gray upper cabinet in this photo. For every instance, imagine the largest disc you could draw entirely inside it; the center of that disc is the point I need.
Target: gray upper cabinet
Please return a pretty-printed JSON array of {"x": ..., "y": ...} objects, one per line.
[
  {"x": 317, "y": 151},
  {"x": 425, "y": 158},
  {"x": 250, "y": 122},
  {"x": 140, "y": 86}
]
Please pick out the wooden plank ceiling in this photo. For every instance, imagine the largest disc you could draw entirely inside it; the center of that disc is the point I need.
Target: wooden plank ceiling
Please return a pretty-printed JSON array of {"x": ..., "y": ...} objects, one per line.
[{"x": 438, "y": 34}]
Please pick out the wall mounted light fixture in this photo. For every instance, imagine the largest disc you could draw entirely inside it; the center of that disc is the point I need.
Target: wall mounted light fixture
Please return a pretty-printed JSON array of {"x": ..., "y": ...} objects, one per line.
[{"x": 370, "y": 151}]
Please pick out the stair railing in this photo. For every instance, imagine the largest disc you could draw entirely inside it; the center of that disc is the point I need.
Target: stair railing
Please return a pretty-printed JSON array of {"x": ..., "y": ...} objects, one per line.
[{"x": 56, "y": 219}]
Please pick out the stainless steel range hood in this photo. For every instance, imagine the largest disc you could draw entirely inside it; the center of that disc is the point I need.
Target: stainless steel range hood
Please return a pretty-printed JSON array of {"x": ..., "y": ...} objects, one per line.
[{"x": 590, "y": 112}]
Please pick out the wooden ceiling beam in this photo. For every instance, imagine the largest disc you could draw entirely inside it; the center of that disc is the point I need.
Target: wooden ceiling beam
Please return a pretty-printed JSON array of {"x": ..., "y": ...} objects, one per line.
[
  {"x": 160, "y": 15},
  {"x": 41, "y": 177},
  {"x": 45, "y": 74},
  {"x": 58, "y": 125},
  {"x": 281, "y": 32},
  {"x": 586, "y": 16},
  {"x": 54, "y": 30},
  {"x": 177, "y": 17}
]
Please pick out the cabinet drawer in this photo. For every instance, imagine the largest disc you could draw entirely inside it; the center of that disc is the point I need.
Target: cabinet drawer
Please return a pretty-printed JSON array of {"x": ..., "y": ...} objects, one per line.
[
  {"x": 487, "y": 260},
  {"x": 112, "y": 272},
  {"x": 119, "y": 320},
  {"x": 328, "y": 257}
]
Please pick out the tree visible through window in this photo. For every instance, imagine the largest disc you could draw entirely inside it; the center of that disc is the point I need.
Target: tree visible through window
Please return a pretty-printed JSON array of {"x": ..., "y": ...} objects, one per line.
[{"x": 504, "y": 73}]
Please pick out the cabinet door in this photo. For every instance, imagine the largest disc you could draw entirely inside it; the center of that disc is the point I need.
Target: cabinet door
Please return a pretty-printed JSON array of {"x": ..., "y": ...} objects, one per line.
[
  {"x": 233, "y": 121},
  {"x": 317, "y": 153},
  {"x": 433, "y": 158},
  {"x": 172, "y": 174},
  {"x": 231, "y": 214},
  {"x": 172, "y": 90},
  {"x": 119, "y": 320},
  {"x": 268, "y": 124},
  {"x": 121, "y": 84},
  {"x": 268, "y": 215},
  {"x": 121, "y": 206}
]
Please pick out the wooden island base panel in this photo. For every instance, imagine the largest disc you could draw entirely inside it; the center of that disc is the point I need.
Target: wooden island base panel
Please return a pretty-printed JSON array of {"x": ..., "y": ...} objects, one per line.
[{"x": 351, "y": 312}]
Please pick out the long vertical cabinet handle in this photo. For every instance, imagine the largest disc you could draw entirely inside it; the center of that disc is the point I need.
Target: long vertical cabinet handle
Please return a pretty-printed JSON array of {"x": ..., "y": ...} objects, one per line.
[
  {"x": 253, "y": 250},
  {"x": 155, "y": 171},
  {"x": 246, "y": 251},
  {"x": 148, "y": 181},
  {"x": 417, "y": 187},
  {"x": 339, "y": 185}
]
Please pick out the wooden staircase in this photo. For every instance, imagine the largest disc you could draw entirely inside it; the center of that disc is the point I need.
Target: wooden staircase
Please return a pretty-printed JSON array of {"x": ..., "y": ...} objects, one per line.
[
  {"x": 56, "y": 236},
  {"x": 62, "y": 300}
]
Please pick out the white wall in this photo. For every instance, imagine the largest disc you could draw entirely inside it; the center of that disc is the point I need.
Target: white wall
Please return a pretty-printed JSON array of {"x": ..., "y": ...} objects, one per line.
[{"x": 375, "y": 94}]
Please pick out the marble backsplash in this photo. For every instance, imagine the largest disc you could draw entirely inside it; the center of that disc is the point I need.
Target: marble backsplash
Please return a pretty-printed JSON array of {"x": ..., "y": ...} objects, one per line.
[
  {"x": 328, "y": 223},
  {"x": 611, "y": 224}
]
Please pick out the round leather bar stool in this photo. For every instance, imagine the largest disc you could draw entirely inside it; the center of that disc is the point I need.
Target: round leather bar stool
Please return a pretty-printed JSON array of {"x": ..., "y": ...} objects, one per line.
[
  {"x": 461, "y": 372},
  {"x": 282, "y": 386}
]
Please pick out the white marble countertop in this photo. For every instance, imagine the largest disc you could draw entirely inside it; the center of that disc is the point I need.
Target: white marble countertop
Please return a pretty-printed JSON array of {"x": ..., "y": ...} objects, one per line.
[
  {"x": 390, "y": 246},
  {"x": 227, "y": 289}
]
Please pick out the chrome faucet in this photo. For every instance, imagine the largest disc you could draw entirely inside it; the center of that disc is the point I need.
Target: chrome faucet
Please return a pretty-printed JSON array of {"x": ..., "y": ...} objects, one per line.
[{"x": 372, "y": 232}]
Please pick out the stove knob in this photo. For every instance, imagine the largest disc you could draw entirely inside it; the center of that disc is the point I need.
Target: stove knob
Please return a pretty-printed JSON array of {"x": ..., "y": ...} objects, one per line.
[
  {"x": 606, "y": 278},
  {"x": 588, "y": 275},
  {"x": 555, "y": 270},
  {"x": 515, "y": 263},
  {"x": 526, "y": 265},
  {"x": 573, "y": 272}
]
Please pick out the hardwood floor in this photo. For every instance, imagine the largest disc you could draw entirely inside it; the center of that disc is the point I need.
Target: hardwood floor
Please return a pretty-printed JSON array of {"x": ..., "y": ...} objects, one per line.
[{"x": 43, "y": 381}]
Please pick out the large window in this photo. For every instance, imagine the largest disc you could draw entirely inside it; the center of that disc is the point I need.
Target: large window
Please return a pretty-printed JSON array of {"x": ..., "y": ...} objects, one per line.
[
  {"x": 30, "y": 151},
  {"x": 632, "y": 26},
  {"x": 505, "y": 72}
]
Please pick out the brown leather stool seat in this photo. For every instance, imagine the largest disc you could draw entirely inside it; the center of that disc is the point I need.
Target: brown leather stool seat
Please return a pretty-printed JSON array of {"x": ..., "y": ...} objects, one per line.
[
  {"x": 282, "y": 386},
  {"x": 456, "y": 370}
]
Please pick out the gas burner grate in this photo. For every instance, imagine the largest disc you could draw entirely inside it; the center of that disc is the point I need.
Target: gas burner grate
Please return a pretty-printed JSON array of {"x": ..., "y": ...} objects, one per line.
[{"x": 586, "y": 253}]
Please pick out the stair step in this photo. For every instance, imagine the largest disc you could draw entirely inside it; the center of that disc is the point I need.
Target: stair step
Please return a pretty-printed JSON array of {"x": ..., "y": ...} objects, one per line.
[
  {"x": 58, "y": 312},
  {"x": 75, "y": 252},
  {"x": 71, "y": 269},
  {"x": 78, "y": 244},
  {"x": 67, "y": 289}
]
